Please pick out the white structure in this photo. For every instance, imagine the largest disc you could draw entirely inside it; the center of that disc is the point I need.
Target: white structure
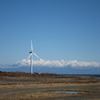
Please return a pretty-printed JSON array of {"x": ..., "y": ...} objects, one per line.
[{"x": 31, "y": 53}]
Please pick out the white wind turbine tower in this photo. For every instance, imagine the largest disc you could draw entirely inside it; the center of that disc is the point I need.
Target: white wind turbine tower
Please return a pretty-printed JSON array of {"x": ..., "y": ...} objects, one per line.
[{"x": 31, "y": 53}]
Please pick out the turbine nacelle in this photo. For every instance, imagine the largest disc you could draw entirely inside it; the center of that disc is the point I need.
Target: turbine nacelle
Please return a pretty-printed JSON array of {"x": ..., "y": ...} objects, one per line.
[{"x": 30, "y": 52}]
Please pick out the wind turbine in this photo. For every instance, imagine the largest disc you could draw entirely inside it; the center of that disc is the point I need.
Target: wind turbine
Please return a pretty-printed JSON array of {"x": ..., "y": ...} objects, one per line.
[{"x": 31, "y": 53}]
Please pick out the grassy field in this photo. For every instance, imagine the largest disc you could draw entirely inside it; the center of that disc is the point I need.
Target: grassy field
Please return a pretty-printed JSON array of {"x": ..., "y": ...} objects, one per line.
[{"x": 18, "y": 86}]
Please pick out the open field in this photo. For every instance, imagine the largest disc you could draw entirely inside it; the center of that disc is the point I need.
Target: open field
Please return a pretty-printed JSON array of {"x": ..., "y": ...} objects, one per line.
[{"x": 23, "y": 86}]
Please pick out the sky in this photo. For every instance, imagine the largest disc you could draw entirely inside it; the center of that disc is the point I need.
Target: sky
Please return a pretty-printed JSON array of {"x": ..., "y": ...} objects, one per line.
[{"x": 66, "y": 30}]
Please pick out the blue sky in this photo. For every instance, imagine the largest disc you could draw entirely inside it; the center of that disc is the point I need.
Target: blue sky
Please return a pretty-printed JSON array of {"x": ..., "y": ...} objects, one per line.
[{"x": 59, "y": 29}]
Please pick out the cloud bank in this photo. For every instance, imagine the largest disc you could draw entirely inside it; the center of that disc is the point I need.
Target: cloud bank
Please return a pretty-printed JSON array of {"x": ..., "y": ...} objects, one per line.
[
  {"x": 53, "y": 63},
  {"x": 58, "y": 63}
]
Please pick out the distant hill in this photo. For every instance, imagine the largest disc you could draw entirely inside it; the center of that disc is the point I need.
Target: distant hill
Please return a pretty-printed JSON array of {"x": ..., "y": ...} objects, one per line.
[{"x": 57, "y": 70}]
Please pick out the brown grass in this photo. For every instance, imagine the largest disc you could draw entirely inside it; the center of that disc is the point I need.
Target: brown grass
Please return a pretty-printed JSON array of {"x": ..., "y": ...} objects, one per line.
[
  {"x": 32, "y": 95},
  {"x": 44, "y": 85},
  {"x": 42, "y": 81},
  {"x": 93, "y": 99}
]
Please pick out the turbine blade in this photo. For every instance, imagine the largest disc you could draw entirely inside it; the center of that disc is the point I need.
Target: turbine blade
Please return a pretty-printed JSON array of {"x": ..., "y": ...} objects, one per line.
[
  {"x": 36, "y": 55},
  {"x": 31, "y": 46},
  {"x": 29, "y": 56}
]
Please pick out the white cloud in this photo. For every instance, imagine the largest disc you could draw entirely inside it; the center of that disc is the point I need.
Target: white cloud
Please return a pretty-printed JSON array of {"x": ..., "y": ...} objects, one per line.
[
  {"x": 58, "y": 63},
  {"x": 53, "y": 63}
]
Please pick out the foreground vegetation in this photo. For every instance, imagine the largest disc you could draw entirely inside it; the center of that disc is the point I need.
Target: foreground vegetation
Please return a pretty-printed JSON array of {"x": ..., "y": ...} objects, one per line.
[{"x": 43, "y": 83}]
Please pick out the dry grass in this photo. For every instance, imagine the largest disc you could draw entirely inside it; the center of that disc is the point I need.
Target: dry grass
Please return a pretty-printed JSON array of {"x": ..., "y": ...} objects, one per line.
[
  {"x": 44, "y": 85},
  {"x": 31, "y": 85},
  {"x": 43, "y": 82},
  {"x": 32, "y": 95},
  {"x": 93, "y": 99}
]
